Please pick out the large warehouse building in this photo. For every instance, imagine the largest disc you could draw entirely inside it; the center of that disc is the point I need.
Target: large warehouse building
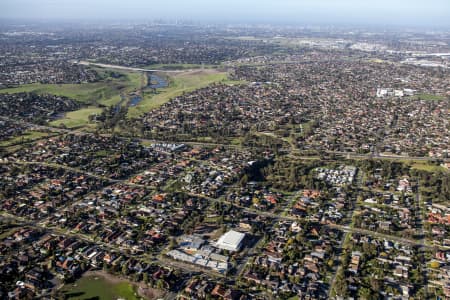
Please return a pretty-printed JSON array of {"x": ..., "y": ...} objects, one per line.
[{"x": 231, "y": 241}]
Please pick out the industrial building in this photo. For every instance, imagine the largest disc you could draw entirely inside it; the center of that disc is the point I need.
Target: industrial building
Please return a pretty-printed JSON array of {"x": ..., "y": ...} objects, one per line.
[{"x": 231, "y": 241}]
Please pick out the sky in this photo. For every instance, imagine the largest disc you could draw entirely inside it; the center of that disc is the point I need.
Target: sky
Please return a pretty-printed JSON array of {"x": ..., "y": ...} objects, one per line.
[{"x": 430, "y": 13}]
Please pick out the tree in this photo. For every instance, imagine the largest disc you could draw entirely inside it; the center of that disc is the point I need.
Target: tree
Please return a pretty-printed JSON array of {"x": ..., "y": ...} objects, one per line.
[
  {"x": 366, "y": 293},
  {"x": 145, "y": 277},
  {"x": 125, "y": 270},
  {"x": 434, "y": 264},
  {"x": 340, "y": 287},
  {"x": 375, "y": 284},
  {"x": 172, "y": 243},
  {"x": 160, "y": 284},
  {"x": 244, "y": 180},
  {"x": 330, "y": 263}
]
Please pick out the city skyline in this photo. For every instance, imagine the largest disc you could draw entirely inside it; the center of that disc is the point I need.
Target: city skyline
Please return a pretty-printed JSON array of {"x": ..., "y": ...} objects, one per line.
[{"x": 433, "y": 13}]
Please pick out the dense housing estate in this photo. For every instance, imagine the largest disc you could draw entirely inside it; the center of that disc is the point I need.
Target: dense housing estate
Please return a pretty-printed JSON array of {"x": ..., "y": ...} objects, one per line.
[{"x": 275, "y": 163}]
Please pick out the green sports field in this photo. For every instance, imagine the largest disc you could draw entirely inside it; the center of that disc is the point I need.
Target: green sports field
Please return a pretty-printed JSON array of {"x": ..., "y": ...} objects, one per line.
[{"x": 99, "y": 288}]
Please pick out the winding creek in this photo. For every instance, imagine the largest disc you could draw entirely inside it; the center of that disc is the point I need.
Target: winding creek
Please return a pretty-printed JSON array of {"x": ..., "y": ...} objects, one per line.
[{"x": 154, "y": 82}]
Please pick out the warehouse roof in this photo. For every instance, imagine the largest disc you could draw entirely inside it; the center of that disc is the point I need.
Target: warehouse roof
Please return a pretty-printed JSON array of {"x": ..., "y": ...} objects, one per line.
[{"x": 231, "y": 240}]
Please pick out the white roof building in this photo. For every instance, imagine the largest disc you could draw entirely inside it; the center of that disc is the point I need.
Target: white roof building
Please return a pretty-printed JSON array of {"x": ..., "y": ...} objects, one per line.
[{"x": 231, "y": 241}]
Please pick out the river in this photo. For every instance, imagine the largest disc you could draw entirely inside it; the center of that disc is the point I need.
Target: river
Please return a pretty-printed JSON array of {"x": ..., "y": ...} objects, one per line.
[{"x": 154, "y": 82}]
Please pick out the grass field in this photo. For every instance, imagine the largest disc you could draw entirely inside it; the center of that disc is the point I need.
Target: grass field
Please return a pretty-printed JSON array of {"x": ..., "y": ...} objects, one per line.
[
  {"x": 91, "y": 287},
  {"x": 27, "y": 136},
  {"x": 77, "y": 118},
  {"x": 423, "y": 166},
  {"x": 429, "y": 97},
  {"x": 178, "y": 66},
  {"x": 179, "y": 84},
  {"x": 105, "y": 92}
]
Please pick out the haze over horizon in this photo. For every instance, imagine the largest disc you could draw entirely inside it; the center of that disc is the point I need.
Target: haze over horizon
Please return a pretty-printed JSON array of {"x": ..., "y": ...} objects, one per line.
[{"x": 432, "y": 13}]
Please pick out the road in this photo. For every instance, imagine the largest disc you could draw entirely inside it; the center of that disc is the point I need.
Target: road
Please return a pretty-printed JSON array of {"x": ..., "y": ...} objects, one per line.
[
  {"x": 420, "y": 221},
  {"x": 346, "y": 234},
  {"x": 161, "y": 259},
  {"x": 164, "y": 261},
  {"x": 299, "y": 155},
  {"x": 354, "y": 155},
  {"x": 344, "y": 228},
  {"x": 347, "y": 229},
  {"x": 58, "y": 166},
  {"x": 88, "y": 63},
  {"x": 190, "y": 268},
  {"x": 275, "y": 216}
]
